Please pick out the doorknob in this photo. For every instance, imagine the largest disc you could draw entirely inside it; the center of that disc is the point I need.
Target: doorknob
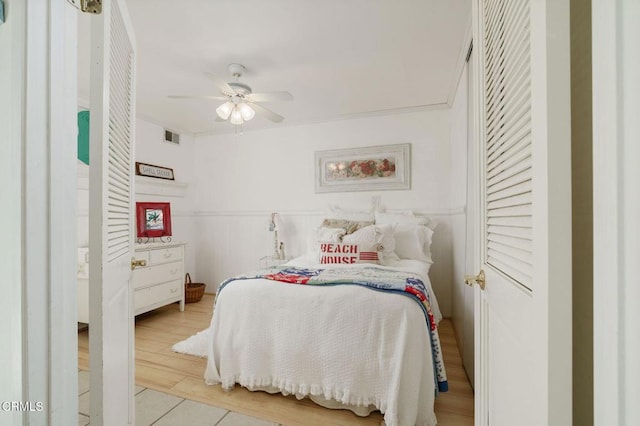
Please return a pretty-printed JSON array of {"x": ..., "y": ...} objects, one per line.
[
  {"x": 478, "y": 279},
  {"x": 137, "y": 263}
]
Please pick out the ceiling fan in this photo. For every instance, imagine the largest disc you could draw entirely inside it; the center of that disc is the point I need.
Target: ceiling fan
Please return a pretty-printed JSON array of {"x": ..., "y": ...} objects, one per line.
[{"x": 241, "y": 104}]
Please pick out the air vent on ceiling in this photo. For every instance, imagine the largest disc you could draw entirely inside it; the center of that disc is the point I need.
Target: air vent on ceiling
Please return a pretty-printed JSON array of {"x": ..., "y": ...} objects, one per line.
[{"x": 172, "y": 137}]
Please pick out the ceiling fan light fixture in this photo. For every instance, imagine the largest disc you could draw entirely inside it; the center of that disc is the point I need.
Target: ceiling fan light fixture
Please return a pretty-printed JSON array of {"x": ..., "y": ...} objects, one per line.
[
  {"x": 247, "y": 112},
  {"x": 225, "y": 110},
  {"x": 240, "y": 103},
  {"x": 236, "y": 116}
]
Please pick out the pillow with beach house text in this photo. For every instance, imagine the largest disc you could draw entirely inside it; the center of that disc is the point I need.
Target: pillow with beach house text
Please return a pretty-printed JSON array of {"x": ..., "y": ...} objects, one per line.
[{"x": 338, "y": 253}]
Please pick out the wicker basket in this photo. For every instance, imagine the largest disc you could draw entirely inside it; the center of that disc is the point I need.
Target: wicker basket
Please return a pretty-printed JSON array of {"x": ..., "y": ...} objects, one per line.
[{"x": 193, "y": 292}]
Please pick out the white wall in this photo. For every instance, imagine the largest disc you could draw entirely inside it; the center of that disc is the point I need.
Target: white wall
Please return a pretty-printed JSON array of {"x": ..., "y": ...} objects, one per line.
[
  {"x": 270, "y": 164},
  {"x": 151, "y": 148},
  {"x": 463, "y": 175},
  {"x": 458, "y": 197},
  {"x": 240, "y": 179}
]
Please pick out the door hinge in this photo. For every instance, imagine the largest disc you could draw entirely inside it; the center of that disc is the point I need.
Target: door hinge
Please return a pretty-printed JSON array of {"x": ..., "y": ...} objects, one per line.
[
  {"x": 91, "y": 6},
  {"x": 88, "y": 6}
]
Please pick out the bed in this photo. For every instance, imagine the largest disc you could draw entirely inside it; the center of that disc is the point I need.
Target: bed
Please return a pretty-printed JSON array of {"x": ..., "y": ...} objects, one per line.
[{"x": 345, "y": 335}]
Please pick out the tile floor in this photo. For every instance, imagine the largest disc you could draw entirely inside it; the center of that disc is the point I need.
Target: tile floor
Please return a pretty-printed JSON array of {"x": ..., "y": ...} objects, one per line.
[{"x": 161, "y": 409}]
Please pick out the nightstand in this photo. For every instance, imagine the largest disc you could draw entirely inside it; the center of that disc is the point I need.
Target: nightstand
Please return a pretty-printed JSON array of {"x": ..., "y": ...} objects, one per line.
[{"x": 268, "y": 261}]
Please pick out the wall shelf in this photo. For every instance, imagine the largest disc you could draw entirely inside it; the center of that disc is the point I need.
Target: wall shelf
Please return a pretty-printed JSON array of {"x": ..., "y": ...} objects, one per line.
[
  {"x": 167, "y": 188},
  {"x": 144, "y": 185}
]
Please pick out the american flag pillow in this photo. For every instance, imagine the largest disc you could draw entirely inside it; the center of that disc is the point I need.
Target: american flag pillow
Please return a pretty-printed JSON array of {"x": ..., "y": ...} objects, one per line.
[{"x": 349, "y": 253}]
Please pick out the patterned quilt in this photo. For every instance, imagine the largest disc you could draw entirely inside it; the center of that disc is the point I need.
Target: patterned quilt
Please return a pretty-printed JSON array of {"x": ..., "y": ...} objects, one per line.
[{"x": 373, "y": 277}]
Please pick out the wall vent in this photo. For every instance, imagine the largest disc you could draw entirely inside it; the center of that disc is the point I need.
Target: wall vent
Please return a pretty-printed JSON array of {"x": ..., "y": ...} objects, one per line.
[{"x": 172, "y": 137}]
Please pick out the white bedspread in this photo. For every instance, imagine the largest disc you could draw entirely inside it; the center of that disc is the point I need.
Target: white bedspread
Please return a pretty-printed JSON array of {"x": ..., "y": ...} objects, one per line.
[{"x": 346, "y": 343}]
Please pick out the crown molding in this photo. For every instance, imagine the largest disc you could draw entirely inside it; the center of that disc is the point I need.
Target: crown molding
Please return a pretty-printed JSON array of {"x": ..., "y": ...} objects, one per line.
[{"x": 354, "y": 116}]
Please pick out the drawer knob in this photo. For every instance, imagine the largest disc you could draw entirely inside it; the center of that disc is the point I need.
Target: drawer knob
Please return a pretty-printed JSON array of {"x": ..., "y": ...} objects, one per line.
[{"x": 167, "y": 255}]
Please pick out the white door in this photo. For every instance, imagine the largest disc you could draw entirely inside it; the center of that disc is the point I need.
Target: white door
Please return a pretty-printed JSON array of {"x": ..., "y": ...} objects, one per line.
[
  {"x": 523, "y": 324},
  {"x": 111, "y": 212}
]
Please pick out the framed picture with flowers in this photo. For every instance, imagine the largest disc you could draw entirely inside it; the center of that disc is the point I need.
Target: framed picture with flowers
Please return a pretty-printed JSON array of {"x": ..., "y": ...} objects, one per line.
[{"x": 372, "y": 168}]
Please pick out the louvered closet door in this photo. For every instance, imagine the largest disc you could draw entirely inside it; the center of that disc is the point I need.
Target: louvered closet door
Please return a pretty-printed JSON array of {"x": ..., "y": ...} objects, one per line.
[
  {"x": 111, "y": 216},
  {"x": 507, "y": 151},
  {"x": 523, "y": 317}
]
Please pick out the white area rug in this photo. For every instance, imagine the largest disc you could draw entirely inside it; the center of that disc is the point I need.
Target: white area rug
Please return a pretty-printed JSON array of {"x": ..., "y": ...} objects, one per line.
[{"x": 195, "y": 345}]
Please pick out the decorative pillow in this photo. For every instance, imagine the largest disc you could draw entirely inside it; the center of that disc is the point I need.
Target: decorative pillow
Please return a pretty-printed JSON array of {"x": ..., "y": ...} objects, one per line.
[
  {"x": 375, "y": 234},
  {"x": 388, "y": 241},
  {"x": 349, "y": 226},
  {"x": 329, "y": 234},
  {"x": 323, "y": 234},
  {"x": 348, "y": 253}
]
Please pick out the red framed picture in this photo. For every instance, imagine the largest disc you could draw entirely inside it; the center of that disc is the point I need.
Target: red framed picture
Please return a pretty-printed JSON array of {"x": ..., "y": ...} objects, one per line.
[{"x": 153, "y": 219}]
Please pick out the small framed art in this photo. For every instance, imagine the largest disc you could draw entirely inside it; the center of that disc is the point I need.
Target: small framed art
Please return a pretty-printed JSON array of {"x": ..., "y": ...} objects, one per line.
[
  {"x": 153, "y": 219},
  {"x": 149, "y": 170}
]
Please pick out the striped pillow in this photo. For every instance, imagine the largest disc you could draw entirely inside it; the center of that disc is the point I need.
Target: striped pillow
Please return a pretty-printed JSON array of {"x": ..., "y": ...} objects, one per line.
[{"x": 348, "y": 253}]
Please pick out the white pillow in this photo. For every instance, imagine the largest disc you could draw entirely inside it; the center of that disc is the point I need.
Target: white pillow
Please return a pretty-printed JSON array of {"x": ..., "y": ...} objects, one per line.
[
  {"x": 413, "y": 234},
  {"x": 336, "y": 212},
  {"x": 413, "y": 242},
  {"x": 428, "y": 235},
  {"x": 401, "y": 217},
  {"x": 375, "y": 234}
]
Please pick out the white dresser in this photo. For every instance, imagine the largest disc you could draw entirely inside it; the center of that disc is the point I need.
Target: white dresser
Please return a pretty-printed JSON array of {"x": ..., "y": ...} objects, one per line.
[
  {"x": 161, "y": 281},
  {"x": 158, "y": 283}
]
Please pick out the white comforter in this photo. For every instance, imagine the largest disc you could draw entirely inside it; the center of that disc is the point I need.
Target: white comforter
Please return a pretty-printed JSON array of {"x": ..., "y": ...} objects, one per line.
[{"x": 345, "y": 343}]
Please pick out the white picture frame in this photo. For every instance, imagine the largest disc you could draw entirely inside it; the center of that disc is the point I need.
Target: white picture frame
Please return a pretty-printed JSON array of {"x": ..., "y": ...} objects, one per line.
[{"x": 374, "y": 168}]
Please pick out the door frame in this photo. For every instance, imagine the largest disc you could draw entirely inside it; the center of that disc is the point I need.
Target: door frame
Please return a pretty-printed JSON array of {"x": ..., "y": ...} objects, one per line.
[
  {"x": 41, "y": 354},
  {"x": 616, "y": 203},
  {"x": 551, "y": 44}
]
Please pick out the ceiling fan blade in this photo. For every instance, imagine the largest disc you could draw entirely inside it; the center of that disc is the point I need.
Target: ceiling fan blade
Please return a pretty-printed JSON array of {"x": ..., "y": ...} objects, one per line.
[
  {"x": 269, "y": 96},
  {"x": 220, "y": 98},
  {"x": 266, "y": 113},
  {"x": 222, "y": 85}
]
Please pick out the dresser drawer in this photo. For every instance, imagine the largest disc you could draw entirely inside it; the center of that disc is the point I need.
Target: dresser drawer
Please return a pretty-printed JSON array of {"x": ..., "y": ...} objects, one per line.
[
  {"x": 143, "y": 277},
  {"x": 161, "y": 280},
  {"x": 158, "y": 294},
  {"x": 141, "y": 255},
  {"x": 165, "y": 255}
]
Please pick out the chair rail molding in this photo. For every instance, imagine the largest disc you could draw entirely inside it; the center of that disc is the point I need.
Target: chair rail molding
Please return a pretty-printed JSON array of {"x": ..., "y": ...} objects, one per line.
[{"x": 420, "y": 211}]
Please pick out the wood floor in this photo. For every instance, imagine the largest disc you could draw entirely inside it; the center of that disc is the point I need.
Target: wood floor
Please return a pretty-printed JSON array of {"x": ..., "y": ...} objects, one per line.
[{"x": 159, "y": 368}]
